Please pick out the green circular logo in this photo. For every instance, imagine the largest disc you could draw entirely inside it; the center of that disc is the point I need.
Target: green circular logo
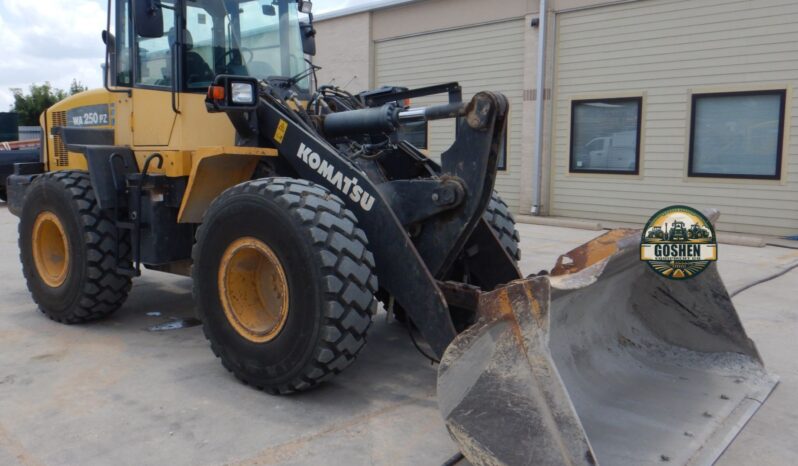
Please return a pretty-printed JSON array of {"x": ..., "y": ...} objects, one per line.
[{"x": 679, "y": 243}]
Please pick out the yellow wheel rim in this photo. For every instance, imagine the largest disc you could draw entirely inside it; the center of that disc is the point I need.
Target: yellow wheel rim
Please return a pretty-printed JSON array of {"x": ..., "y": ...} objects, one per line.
[
  {"x": 253, "y": 290},
  {"x": 50, "y": 249}
]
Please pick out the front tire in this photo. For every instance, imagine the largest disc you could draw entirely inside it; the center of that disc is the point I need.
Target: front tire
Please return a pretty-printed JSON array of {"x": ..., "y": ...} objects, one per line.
[
  {"x": 68, "y": 250},
  {"x": 498, "y": 216},
  {"x": 284, "y": 283}
]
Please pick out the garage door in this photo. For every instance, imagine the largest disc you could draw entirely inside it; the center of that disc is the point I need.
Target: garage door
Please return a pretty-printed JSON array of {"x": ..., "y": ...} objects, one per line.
[{"x": 487, "y": 57}]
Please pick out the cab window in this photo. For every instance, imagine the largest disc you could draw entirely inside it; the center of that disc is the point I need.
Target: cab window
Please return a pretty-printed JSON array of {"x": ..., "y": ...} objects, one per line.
[
  {"x": 155, "y": 55},
  {"x": 198, "y": 48},
  {"x": 124, "y": 65},
  {"x": 242, "y": 38}
]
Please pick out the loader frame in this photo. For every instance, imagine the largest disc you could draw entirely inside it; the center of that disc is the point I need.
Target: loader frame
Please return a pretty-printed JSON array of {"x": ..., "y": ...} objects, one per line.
[{"x": 448, "y": 203}]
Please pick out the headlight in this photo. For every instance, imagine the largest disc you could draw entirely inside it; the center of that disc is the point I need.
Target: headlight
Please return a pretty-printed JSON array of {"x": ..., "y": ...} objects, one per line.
[{"x": 243, "y": 93}]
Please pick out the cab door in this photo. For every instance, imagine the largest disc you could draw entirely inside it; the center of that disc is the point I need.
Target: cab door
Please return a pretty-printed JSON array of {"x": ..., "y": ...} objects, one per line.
[{"x": 154, "y": 117}]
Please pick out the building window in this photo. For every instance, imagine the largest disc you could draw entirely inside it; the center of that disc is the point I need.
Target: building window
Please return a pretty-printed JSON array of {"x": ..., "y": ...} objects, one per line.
[
  {"x": 737, "y": 135},
  {"x": 605, "y": 135}
]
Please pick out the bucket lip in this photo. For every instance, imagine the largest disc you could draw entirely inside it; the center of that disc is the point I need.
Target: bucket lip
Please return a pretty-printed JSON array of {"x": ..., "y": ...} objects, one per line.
[
  {"x": 725, "y": 434},
  {"x": 580, "y": 279},
  {"x": 603, "y": 248},
  {"x": 617, "y": 247}
]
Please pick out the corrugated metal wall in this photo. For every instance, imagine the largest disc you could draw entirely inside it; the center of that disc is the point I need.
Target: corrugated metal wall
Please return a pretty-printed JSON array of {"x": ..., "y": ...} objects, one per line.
[
  {"x": 486, "y": 57},
  {"x": 29, "y": 132},
  {"x": 666, "y": 50}
]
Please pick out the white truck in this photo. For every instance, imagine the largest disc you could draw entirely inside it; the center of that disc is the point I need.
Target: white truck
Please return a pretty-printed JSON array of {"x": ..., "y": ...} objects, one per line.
[{"x": 614, "y": 152}]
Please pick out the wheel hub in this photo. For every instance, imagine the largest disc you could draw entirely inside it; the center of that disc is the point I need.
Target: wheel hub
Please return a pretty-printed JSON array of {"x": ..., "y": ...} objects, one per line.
[
  {"x": 50, "y": 249},
  {"x": 253, "y": 290}
]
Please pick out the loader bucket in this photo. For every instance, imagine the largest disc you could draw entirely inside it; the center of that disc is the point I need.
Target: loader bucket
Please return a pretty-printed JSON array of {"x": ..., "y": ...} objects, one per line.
[{"x": 602, "y": 362}]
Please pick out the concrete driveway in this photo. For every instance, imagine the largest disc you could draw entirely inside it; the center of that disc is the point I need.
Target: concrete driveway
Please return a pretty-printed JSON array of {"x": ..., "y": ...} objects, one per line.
[{"x": 117, "y": 392}]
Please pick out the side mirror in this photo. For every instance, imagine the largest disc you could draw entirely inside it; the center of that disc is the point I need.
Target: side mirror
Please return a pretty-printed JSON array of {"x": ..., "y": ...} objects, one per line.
[
  {"x": 148, "y": 18},
  {"x": 308, "y": 38},
  {"x": 268, "y": 8},
  {"x": 109, "y": 40},
  {"x": 306, "y": 6},
  {"x": 110, "y": 65}
]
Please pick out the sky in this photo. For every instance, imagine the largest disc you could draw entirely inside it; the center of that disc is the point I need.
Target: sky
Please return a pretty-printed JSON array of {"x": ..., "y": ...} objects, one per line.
[{"x": 60, "y": 40}]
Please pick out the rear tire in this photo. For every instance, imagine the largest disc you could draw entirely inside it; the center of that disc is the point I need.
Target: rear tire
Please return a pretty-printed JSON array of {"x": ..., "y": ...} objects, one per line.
[
  {"x": 502, "y": 222},
  {"x": 309, "y": 237},
  {"x": 72, "y": 272}
]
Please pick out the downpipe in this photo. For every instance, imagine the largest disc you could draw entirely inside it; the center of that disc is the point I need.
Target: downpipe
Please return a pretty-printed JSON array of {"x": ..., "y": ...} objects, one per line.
[{"x": 540, "y": 104}]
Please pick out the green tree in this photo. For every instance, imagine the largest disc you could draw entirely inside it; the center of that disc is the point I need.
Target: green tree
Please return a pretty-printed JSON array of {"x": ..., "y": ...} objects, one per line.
[
  {"x": 77, "y": 87},
  {"x": 40, "y": 97}
]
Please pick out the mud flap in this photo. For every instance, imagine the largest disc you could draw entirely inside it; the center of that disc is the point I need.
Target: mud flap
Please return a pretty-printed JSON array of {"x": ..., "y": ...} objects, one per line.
[{"x": 602, "y": 362}]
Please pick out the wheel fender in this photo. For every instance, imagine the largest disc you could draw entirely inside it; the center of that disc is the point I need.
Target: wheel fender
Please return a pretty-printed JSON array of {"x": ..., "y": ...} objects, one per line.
[{"x": 214, "y": 170}]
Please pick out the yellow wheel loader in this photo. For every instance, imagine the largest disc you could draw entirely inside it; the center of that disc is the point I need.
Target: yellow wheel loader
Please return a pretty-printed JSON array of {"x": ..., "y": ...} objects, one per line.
[{"x": 297, "y": 208}]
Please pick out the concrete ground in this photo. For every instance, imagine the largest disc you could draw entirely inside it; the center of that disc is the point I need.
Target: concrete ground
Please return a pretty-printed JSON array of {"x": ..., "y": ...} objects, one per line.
[{"x": 116, "y": 392}]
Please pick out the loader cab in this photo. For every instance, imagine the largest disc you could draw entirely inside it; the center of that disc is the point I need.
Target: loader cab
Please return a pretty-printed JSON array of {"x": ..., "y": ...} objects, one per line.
[
  {"x": 184, "y": 44},
  {"x": 165, "y": 54}
]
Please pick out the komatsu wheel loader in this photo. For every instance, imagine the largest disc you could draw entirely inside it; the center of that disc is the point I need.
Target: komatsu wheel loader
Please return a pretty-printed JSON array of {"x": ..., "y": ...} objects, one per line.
[{"x": 296, "y": 209}]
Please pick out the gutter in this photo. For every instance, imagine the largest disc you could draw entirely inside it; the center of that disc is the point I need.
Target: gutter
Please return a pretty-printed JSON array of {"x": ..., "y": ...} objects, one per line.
[
  {"x": 352, "y": 10},
  {"x": 540, "y": 110}
]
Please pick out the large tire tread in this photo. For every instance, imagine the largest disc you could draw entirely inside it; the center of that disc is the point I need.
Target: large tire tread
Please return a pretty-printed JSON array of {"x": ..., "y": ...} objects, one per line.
[
  {"x": 501, "y": 220},
  {"x": 349, "y": 279},
  {"x": 104, "y": 290}
]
